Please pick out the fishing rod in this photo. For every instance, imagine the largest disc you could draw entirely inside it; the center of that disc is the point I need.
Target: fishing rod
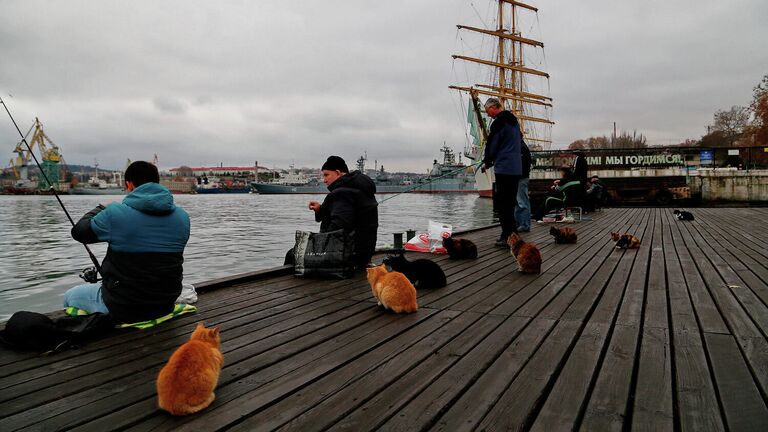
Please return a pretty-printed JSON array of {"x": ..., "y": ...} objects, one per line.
[
  {"x": 88, "y": 276},
  {"x": 432, "y": 179}
]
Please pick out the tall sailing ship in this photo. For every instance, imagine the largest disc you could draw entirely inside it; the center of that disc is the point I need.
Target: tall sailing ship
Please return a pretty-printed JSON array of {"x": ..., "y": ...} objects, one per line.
[{"x": 512, "y": 71}]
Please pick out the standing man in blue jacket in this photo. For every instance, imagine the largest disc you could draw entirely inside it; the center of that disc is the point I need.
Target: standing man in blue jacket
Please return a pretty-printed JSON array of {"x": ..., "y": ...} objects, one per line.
[
  {"x": 142, "y": 270},
  {"x": 503, "y": 152}
]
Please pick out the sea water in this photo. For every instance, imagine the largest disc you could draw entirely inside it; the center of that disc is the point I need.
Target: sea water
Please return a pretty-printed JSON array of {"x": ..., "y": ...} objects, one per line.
[{"x": 231, "y": 234}]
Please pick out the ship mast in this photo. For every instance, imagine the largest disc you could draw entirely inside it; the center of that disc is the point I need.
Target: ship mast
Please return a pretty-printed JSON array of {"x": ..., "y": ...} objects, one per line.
[{"x": 510, "y": 90}]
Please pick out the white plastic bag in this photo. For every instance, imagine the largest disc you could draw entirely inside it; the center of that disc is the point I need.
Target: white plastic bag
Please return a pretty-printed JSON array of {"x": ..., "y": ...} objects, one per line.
[
  {"x": 432, "y": 240},
  {"x": 188, "y": 294}
]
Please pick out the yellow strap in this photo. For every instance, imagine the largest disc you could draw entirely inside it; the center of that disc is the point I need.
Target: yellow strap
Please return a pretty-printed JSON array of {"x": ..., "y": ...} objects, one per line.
[{"x": 178, "y": 309}]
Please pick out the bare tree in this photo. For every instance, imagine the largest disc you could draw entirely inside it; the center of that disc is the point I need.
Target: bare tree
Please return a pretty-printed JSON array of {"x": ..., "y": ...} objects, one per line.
[
  {"x": 732, "y": 123},
  {"x": 625, "y": 140}
]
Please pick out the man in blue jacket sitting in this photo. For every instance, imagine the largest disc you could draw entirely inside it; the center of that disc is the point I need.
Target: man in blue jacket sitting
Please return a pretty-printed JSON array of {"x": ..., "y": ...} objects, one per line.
[
  {"x": 142, "y": 270},
  {"x": 503, "y": 152}
]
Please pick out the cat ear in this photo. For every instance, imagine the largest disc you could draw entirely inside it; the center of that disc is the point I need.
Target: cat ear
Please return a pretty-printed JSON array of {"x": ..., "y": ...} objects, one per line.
[{"x": 216, "y": 331}]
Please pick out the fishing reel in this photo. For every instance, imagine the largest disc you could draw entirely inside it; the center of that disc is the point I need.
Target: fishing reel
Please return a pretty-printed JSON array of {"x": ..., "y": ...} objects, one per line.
[{"x": 90, "y": 275}]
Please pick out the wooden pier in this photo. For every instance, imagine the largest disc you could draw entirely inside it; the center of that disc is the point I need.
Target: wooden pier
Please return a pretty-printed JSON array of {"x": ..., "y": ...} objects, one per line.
[{"x": 671, "y": 336}]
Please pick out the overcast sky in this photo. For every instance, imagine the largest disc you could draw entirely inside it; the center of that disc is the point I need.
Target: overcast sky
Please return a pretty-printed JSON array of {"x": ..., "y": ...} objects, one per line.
[{"x": 232, "y": 82}]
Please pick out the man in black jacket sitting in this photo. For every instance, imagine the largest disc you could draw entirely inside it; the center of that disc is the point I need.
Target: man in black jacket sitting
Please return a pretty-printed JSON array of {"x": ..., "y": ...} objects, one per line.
[{"x": 350, "y": 205}]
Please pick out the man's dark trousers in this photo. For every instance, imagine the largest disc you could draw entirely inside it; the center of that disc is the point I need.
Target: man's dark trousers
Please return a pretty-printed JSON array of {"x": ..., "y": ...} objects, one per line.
[{"x": 506, "y": 198}]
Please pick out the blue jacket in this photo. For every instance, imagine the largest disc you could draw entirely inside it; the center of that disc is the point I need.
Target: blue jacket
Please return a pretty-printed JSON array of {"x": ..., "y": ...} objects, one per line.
[
  {"x": 503, "y": 150},
  {"x": 143, "y": 268}
]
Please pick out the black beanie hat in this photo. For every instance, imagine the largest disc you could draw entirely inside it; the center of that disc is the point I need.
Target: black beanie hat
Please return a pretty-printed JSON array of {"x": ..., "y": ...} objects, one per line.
[{"x": 335, "y": 163}]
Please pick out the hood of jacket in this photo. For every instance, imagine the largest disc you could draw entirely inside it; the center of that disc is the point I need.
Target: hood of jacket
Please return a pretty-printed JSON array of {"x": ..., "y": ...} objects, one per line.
[
  {"x": 151, "y": 198},
  {"x": 355, "y": 180}
]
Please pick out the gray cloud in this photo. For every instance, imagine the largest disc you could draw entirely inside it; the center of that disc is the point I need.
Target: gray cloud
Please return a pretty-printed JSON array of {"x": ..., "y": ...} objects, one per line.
[{"x": 201, "y": 82}]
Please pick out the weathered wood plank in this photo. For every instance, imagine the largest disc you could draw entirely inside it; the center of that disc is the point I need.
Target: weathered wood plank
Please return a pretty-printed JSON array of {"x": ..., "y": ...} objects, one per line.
[
  {"x": 744, "y": 407},
  {"x": 652, "y": 408}
]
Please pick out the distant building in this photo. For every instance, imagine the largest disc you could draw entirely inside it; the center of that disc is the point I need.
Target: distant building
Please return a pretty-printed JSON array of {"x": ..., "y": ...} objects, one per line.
[{"x": 222, "y": 170}]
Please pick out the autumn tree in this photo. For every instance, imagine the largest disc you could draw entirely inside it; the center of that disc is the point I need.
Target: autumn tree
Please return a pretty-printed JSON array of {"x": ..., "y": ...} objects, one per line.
[{"x": 758, "y": 129}]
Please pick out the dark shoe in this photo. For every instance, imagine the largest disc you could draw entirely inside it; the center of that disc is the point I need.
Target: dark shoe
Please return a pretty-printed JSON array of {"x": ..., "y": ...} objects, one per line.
[{"x": 501, "y": 243}]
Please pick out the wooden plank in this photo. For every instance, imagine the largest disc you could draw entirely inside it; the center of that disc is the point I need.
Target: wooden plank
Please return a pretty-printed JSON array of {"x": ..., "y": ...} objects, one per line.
[
  {"x": 272, "y": 384},
  {"x": 209, "y": 302},
  {"x": 652, "y": 408},
  {"x": 704, "y": 306},
  {"x": 136, "y": 349},
  {"x": 323, "y": 405},
  {"x": 582, "y": 304},
  {"x": 468, "y": 390},
  {"x": 559, "y": 260},
  {"x": 697, "y": 405},
  {"x": 645, "y": 350},
  {"x": 522, "y": 306},
  {"x": 743, "y": 405},
  {"x": 656, "y": 297},
  {"x": 740, "y": 324},
  {"x": 516, "y": 406},
  {"x": 562, "y": 407},
  {"x": 113, "y": 394},
  {"x": 608, "y": 403},
  {"x": 417, "y": 398}
]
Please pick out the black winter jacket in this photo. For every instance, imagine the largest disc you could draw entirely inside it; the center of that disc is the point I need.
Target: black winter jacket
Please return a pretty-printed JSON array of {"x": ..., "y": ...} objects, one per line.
[{"x": 351, "y": 205}]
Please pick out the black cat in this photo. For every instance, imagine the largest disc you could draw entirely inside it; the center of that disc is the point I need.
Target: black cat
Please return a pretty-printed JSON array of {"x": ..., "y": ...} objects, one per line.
[
  {"x": 422, "y": 273},
  {"x": 460, "y": 248},
  {"x": 683, "y": 215}
]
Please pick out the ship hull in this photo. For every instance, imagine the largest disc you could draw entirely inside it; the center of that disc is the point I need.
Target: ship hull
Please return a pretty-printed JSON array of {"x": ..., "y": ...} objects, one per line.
[{"x": 223, "y": 190}]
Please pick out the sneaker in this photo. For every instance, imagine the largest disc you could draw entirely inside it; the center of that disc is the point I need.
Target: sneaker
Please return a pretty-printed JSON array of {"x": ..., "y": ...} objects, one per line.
[
  {"x": 523, "y": 230},
  {"x": 500, "y": 243}
]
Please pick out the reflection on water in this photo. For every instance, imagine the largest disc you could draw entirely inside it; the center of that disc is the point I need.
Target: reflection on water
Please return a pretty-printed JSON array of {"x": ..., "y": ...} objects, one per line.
[{"x": 231, "y": 233}]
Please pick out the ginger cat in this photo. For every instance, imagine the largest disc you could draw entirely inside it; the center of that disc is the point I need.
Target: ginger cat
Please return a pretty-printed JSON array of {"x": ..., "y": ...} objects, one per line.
[
  {"x": 527, "y": 255},
  {"x": 393, "y": 290},
  {"x": 186, "y": 383},
  {"x": 563, "y": 235},
  {"x": 625, "y": 241}
]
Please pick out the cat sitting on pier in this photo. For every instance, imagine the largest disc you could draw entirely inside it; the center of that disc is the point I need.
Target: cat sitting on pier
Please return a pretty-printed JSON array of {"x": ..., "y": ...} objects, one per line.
[
  {"x": 460, "y": 248},
  {"x": 683, "y": 215},
  {"x": 186, "y": 383},
  {"x": 423, "y": 273},
  {"x": 527, "y": 255},
  {"x": 563, "y": 235},
  {"x": 625, "y": 241},
  {"x": 392, "y": 289}
]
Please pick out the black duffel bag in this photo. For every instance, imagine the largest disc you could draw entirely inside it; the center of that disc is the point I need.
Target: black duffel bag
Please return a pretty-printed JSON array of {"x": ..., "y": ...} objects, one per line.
[
  {"x": 37, "y": 332},
  {"x": 324, "y": 254}
]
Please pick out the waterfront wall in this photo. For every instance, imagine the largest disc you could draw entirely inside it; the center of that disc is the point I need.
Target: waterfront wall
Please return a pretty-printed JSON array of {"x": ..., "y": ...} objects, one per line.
[{"x": 729, "y": 184}]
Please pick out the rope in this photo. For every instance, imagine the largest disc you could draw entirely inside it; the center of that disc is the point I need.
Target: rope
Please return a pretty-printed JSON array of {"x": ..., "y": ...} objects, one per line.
[{"x": 431, "y": 179}]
